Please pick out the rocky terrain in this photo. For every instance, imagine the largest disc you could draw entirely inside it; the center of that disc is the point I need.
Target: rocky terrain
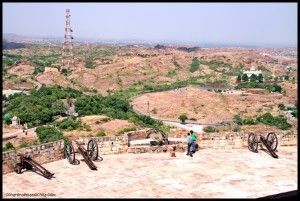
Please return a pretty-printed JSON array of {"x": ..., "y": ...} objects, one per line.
[
  {"x": 109, "y": 68},
  {"x": 116, "y": 67}
]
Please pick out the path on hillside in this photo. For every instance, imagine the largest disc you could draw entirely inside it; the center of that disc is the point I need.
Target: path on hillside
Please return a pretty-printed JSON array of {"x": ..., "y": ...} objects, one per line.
[
  {"x": 189, "y": 125},
  {"x": 6, "y": 136}
]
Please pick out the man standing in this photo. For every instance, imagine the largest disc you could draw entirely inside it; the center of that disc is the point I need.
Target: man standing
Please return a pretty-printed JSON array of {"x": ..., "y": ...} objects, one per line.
[
  {"x": 193, "y": 144},
  {"x": 189, "y": 143}
]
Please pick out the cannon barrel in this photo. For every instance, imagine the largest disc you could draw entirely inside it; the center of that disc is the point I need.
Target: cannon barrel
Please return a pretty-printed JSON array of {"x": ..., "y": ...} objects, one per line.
[{"x": 86, "y": 157}]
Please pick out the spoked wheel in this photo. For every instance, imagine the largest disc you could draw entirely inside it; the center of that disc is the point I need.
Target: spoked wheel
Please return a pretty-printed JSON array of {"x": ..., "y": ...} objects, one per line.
[
  {"x": 69, "y": 153},
  {"x": 272, "y": 141},
  {"x": 252, "y": 142},
  {"x": 18, "y": 168},
  {"x": 157, "y": 135},
  {"x": 92, "y": 149}
]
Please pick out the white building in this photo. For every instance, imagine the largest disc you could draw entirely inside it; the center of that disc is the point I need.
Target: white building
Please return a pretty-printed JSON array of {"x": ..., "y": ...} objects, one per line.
[
  {"x": 252, "y": 71},
  {"x": 15, "y": 121}
]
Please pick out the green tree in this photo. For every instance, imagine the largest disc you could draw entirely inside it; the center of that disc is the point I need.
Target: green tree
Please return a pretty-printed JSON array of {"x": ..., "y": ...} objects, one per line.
[
  {"x": 195, "y": 65},
  {"x": 239, "y": 78},
  {"x": 49, "y": 134},
  {"x": 260, "y": 78},
  {"x": 245, "y": 78},
  {"x": 7, "y": 118},
  {"x": 183, "y": 118},
  {"x": 277, "y": 88},
  {"x": 253, "y": 78}
]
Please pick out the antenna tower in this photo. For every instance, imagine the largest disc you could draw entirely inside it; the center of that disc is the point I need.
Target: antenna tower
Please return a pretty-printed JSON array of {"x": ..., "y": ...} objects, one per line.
[{"x": 67, "y": 51}]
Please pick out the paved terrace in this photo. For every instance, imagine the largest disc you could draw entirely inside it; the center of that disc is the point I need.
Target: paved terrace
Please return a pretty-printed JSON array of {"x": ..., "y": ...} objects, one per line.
[{"x": 209, "y": 174}]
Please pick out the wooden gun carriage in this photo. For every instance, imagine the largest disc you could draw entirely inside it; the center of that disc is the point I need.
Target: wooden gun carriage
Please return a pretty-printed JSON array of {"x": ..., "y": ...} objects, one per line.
[
  {"x": 26, "y": 162},
  {"x": 89, "y": 155},
  {"x": 270, "y": 142}
]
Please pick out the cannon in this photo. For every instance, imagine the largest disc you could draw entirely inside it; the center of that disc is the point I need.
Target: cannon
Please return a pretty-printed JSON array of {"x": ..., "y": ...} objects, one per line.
[
  {"x": 28, "y": 163},
  {"x": 89, "y": 155},
  {"x": 159, "y": 137},
  {"x": 270, "y": 142}
]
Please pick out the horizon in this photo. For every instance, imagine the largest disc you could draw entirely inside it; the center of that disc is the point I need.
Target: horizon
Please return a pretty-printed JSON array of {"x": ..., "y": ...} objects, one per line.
[
  {"x": 173, "y": 22},
  {"x": 152, "y": 43}
]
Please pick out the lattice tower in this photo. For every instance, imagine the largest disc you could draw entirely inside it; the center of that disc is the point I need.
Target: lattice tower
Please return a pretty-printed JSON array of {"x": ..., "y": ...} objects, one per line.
[{"x": 67, "y": 51}]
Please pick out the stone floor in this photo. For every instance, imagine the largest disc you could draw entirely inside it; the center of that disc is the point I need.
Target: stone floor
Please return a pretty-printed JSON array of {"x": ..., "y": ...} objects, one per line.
[{"x": 209, "y": 174}]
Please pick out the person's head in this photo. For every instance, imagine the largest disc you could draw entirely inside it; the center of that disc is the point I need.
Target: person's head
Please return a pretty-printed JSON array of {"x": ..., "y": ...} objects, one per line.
[
  {"x": 191, "y": 131},
  {"x": 188, "y": 133}
]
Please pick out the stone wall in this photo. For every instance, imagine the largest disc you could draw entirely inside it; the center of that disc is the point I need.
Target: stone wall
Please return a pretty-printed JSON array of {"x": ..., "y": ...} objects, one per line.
[
  {"x": 43, "y": 153},
  {"x": 108, "y": 145},
  {"x": 229, "y": 140},
  {"x": 236, "y": 140},
  {"x": 137, "y": 135}
]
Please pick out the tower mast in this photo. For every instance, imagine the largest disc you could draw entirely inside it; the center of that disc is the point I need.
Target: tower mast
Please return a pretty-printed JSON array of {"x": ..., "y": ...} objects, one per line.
[{"x": 67, "y": 51}]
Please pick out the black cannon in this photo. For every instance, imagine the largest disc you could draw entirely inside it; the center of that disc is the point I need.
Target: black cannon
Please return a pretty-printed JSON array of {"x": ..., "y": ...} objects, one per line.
[
  {"x": 26, "y": 162},
  {"x": 159, "y": 137},
  {"x": 270, "y": 142},
  {"x": 89, "y": 155}
]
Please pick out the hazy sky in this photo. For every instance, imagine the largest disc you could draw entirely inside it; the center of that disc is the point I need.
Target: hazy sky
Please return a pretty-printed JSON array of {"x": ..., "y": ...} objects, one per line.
[{"x": 220, "y": 23}]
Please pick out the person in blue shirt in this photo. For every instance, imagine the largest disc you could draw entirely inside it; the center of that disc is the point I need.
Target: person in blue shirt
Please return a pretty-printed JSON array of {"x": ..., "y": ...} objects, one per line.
[{"x": 189, "y": 142}]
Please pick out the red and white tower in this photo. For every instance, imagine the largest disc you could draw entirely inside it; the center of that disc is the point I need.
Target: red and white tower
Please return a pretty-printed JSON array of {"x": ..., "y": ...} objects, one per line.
[{"x": 67, "y": 52}]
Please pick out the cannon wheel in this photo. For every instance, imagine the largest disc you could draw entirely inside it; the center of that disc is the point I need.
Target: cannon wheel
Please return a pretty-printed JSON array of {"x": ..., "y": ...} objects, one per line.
[
  {"x": 18, "y": 168},
  {"x": 252, "y": 142},
  {"x": 272, "y": 141},
  {"x": 69, "y": 153},
  {"x": 159, "y": 135},
  {"x": 92, "y": 148}
]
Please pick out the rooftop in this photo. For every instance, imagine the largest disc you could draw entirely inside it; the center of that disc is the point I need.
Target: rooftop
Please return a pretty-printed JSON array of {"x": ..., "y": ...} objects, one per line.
[{"x": 211, "y": 173}]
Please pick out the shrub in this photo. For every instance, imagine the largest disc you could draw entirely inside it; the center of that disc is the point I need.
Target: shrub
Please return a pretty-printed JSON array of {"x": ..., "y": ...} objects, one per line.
[
  {"x": 69, "y": 124},
  {"x": 270, "y": 87},
  {"x": 281, "y": 106},
  {"x": 24, "y": 144},
  {"x": 89, "y": 62},
  {"x": 195, "y": 65},
  {"x": 49, "y": 134},
  {"x": 65, "y": 72},
  {"x": 236, "y": 129},
  {"x": 209, "y": 129},
  {"x": 278, "y": 121},
  {"x": 125, "y": 130},
  {"x": 172, "y": 73},
  {"x": 101, "y": 133},
  {"x": 245, "y": 78},
  {"x": 238, "y": 119},
  {"x": 294, "y": 113},
  {"x": 183, "y": 118},
  {"x": 8, "y": 146},
  {"x": 249, "y": 121},
  {"x": 239, "y": 78}
]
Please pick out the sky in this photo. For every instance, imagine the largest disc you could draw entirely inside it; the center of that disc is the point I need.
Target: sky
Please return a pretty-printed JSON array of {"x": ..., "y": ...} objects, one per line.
[{"x": 262, "y": 24}]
